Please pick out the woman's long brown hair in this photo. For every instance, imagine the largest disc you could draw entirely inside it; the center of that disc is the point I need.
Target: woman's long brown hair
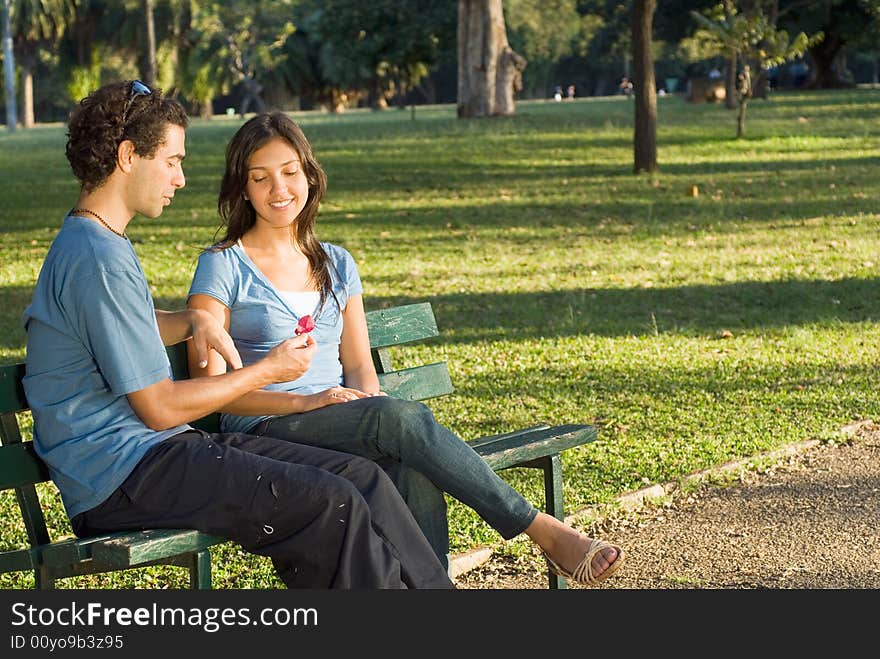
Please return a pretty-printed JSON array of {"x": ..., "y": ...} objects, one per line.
[{"x": 237, "y": 213}]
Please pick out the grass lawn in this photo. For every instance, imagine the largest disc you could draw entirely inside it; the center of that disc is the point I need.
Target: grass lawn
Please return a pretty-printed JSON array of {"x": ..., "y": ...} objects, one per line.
[{"x": 689, "y": 330}]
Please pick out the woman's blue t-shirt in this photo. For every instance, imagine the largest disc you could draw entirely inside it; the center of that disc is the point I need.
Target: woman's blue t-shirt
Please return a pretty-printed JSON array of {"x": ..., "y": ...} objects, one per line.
[{"x": 260, "y": 318}]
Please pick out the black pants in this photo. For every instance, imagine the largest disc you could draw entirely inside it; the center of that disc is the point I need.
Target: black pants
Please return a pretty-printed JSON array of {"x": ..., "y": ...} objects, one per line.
[{"x": 326, "y": 519}]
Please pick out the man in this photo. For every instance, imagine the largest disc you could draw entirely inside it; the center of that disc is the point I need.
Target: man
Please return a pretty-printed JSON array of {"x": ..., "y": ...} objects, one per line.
[{"x": 112, "y": 425}]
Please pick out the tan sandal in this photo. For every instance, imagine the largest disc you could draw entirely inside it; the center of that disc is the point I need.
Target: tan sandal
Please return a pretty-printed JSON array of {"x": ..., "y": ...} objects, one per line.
[{"x": 583, "y": 573}]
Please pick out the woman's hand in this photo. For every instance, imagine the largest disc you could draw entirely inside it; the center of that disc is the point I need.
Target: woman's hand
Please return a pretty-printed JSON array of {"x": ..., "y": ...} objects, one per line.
[{"x": 333, "y": 396}]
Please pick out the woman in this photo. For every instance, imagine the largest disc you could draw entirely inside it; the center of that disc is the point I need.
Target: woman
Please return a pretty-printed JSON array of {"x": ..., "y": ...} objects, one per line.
[{"x": 269, "y": 271}]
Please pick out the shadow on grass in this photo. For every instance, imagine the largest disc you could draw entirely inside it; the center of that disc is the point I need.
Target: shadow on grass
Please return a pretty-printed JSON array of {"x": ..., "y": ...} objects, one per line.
[{"x": 689, "y": 310}]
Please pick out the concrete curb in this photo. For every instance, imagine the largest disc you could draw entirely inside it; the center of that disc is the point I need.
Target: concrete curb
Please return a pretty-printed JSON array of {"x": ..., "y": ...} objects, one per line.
[{"x": 466, "y": 561}]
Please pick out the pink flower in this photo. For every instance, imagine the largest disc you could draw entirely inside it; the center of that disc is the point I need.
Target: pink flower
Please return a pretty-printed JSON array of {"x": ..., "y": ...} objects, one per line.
[{"x": 305, "y": 325}]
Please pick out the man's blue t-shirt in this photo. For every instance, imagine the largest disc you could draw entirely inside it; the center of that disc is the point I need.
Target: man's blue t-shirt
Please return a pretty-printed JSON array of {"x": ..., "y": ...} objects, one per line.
[
  {"x": 261, "y": 318},
  {"x": 92, "y": 338}
]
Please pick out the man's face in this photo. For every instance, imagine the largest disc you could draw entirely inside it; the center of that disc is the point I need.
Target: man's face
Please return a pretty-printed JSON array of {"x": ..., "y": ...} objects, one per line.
[{"x": 156, "y": 179}]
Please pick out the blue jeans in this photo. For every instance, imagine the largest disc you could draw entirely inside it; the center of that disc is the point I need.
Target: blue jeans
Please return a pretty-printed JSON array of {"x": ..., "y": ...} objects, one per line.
[{"x": 423, "y": 458}]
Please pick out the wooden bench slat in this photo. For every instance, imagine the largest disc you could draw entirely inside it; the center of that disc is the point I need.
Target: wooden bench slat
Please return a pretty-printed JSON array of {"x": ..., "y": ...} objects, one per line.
[
  {"x": 523, "y": 448},
  {"x": 417, "y": 383},
  {"x": 66, "y": 551},
  {"x": 12, "y": 398},
  {"x": 19, "y": 559},
  {"x": 139, "y": 547},
  {"x": 20, "y": 465},
  {"x": 403, "y": 324},
  {"x": 488, "y": 439}
]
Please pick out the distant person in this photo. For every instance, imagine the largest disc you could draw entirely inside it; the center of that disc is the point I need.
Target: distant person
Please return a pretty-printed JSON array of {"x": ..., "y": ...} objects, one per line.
[
  {"x": 557, "y": 94},
  {"x": 625, "y": 87},
  {"x": 267, "y": 273},
  {"x": 570, "y": 92},
  {"x": 111, "y": 423}
]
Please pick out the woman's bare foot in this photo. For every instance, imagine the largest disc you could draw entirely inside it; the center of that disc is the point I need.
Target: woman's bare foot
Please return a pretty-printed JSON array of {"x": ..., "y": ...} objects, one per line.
[{"x": 567, "y": 547}]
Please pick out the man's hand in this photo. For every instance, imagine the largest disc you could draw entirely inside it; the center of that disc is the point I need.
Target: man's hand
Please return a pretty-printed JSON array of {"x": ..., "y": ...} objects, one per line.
[
  {"x": 209, "y": 334},
  {"x": 290, "y": 359}
]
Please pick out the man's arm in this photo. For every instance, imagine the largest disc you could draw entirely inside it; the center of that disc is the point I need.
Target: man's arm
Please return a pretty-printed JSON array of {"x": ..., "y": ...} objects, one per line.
[
  {"x": 207, "y": 334},
  {"x": 169, "y": 403}
]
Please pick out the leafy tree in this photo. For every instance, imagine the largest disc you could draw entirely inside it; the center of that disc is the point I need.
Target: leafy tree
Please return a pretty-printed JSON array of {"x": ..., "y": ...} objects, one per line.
[
  {"x": 230, "y": 43},
  {"x": 544, "y": 33},
  {"x": 843, "y": 22},
  {"x": 752, "y": 38},
  {"x": 36, "y": 26},
  {"x": 379, "y": 49}
]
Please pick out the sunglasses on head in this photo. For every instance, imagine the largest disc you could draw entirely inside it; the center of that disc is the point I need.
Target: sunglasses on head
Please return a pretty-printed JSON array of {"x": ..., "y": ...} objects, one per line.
[{"x": 138, "y": 88}]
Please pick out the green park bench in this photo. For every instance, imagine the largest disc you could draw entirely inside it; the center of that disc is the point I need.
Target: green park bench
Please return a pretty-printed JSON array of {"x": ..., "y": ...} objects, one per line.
[{"x": 537, "y": 447}]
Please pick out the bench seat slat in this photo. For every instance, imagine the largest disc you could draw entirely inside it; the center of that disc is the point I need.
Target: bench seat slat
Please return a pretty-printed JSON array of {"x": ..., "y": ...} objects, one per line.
[
  {"x": 68, "y": 551},
  {"x": 520, "y": 449},
  {"x": 489, "y": 439},
  {"x": 126, "y": 549},
  {"x": 19, "y": 559},
  {"x": 139, "y": 547}
]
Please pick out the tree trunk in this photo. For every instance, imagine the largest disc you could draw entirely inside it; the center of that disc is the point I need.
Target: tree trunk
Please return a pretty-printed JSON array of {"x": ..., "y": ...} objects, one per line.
[
  {"x": 730, "y": 83},
  {"x": 741, "y": 118},
  {"x": 825, "y": 56},
  {"x": 508, "y": 79},
  {"x": 251, "y": 97},
  {"x": 9, "y": 72},
  {"x": 150, "y": 68},
  {"x": 743, "y": 94},
  {"x": 489, "y": 71},
  {"x": 27, "y": 94},
  {"x": 645, "y": 136}
]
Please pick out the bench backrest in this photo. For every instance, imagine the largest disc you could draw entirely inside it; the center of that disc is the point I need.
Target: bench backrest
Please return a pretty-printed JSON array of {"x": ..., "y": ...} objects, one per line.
[{"x": 21, "y": 468}]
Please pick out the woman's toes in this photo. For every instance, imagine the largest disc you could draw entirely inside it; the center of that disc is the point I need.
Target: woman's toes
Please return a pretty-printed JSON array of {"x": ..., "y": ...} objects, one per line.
[{"x": 603, "y": 560}]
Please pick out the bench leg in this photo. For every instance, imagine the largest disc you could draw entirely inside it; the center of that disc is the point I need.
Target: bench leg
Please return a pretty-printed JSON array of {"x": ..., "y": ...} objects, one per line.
[
  {"x": 43, "y": 580},
  {"x": 200, "y": 570},
  {"x": 553, "y": 497}
]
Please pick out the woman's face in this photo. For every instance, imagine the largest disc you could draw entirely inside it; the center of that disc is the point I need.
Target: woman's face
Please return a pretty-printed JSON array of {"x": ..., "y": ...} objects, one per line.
[{"x": 276, "y": 185}]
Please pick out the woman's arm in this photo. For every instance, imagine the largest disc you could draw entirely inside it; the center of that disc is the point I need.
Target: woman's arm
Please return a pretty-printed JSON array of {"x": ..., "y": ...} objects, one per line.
[
  {"x": 169, "y": 403},
  {"x": 258, "y": 402},
  {"x": 358, "y": 371},
  {"x": 208, "y": 337}
]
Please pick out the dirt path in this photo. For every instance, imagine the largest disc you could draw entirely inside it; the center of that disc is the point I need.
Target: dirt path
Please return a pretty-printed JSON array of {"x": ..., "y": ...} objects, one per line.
[{"x": 808, "y": 520}]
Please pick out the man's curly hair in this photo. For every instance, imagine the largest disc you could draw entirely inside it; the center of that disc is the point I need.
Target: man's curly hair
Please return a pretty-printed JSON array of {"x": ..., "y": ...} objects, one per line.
[{"x": 105, "y": 118}]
